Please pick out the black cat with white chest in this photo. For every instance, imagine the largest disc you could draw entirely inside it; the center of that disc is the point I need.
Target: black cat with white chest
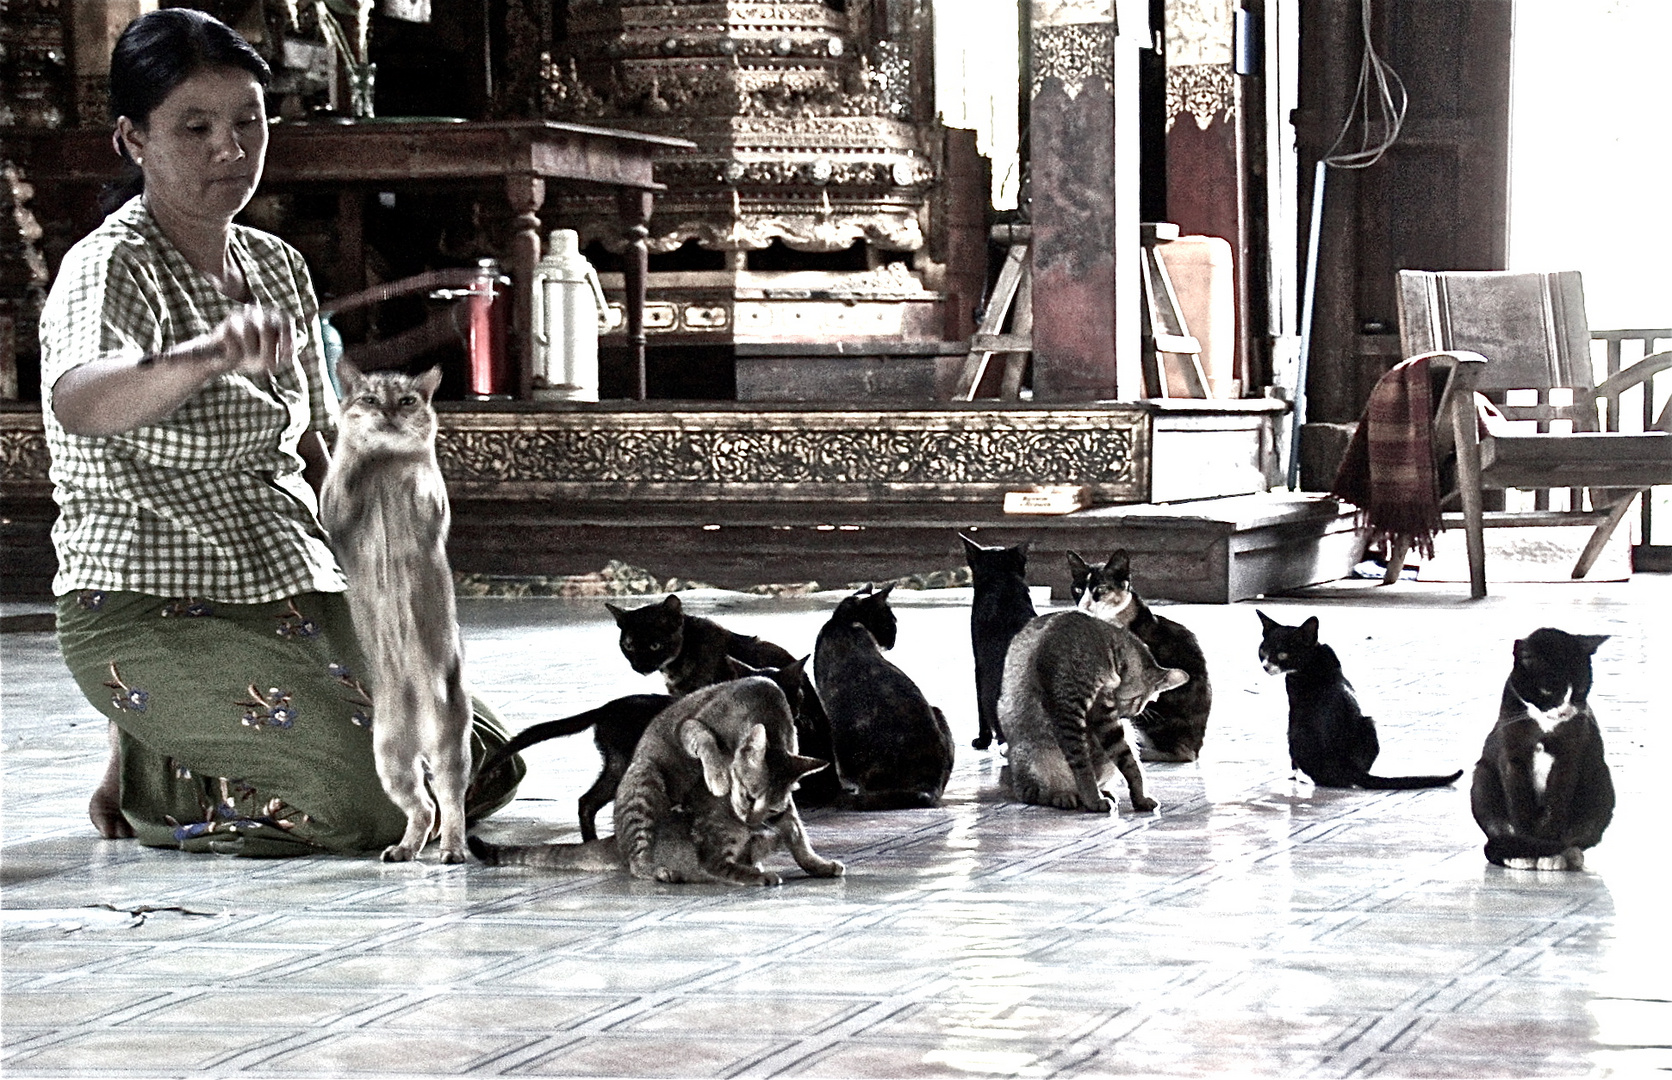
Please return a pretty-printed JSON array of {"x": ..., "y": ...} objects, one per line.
[
  {"x": 1330, "y": 738},
  {"x": 1542, "y": 792}
]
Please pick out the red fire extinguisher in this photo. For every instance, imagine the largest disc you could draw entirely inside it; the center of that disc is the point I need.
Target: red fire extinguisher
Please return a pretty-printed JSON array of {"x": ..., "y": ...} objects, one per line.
[{"x": 485, "y": 336}]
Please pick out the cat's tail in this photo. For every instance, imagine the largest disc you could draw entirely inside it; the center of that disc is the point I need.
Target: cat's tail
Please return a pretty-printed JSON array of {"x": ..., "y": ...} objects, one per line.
[
  {"x": 591, "y": 855},
  {"x": 570, "y": 725},
  {"x": 1406, "y": 783}
]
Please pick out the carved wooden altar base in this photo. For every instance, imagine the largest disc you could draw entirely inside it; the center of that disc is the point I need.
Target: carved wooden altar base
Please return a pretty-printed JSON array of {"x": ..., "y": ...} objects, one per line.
[{"x": 737, "y": 495}]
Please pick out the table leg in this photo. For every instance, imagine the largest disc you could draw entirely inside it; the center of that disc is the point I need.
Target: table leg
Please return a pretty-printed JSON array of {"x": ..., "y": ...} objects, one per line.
[
  {"x": 526, "y": 194},
  {"x": 635, "y": 205}
]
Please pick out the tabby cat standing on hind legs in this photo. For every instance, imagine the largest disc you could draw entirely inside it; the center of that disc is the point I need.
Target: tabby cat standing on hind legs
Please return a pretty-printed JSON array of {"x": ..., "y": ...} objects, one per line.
[
  {"x": 707, "y": 796},
  {"x": 384, "y": 503},
  {"x": 1000, "y": 607},
  {"x": 691, "y": 652},
  {"x": 1330, "y": 738},
  {"x": 893, "y": 748},
  {"x": 1542, "y": 792},
  {"x": 1069, "y": 680},
  {"x": 1171, "y": 727}
]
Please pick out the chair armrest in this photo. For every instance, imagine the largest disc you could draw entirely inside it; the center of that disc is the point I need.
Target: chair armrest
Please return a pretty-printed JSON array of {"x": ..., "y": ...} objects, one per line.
[
  {"x": 1628, "y": 377},
  {"x": 1462, "y": 369}
]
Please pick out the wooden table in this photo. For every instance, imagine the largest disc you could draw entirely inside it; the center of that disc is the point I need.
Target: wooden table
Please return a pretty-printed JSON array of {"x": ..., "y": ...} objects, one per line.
[{"x": 359, "y": 156}]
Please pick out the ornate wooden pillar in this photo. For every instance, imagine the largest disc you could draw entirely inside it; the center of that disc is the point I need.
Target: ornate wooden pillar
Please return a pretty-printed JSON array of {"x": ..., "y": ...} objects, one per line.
[
  {"x": 635, "y": 221},
  {"x": 1084, "y": 185},
  {"x": 527, "y": 194}
]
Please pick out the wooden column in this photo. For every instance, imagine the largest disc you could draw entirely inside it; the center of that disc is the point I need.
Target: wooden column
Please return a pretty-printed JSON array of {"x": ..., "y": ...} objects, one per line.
[
  {"x": 635, "y": 205},
  {"x": 527, "y": 194}
]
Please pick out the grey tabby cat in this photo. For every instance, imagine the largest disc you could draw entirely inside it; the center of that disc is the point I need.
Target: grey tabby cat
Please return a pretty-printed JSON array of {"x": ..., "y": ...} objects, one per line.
[
  {"x": 708, "y": 795},
  {"x": 384, "y": 504},
  {"x": 1069, "y": 679}
]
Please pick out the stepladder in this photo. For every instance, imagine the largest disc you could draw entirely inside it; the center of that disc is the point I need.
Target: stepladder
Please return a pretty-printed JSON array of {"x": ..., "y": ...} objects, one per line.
[
  {"x": 992, "y": 347},
  {"x": 1172, "y": 356}
]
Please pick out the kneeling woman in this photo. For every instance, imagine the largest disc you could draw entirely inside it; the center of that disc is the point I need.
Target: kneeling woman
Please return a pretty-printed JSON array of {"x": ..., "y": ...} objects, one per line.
[{"x": 182, "y": 381}]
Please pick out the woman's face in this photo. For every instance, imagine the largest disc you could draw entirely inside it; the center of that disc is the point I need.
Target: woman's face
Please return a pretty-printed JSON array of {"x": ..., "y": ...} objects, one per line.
[{"x": 204, "y": 146}]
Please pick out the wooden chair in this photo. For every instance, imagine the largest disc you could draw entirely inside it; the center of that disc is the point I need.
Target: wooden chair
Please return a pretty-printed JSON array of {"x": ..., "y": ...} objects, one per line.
[{"x": 1494, "y": 332}]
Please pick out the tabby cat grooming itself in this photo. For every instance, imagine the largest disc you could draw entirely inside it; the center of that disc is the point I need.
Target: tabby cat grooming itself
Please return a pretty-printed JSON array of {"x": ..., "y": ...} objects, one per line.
[
  {"x": 1068, "y": 681},
  {"x": 691, "y": 652},
  {"x": 1171, "y": 728},
  {"x": 1330, "y": 738},
  {"x": 1000, "y": 607},
  {"x": 709, "y": 793},
  {"x": 616, "y": 729},
  {"x": 893, "y": 748},
  {"x": 384, "y": 504},
  {"x": 1542, "y": 792}
]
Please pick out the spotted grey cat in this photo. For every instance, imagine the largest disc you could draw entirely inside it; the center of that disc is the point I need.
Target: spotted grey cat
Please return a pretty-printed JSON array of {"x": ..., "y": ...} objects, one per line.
[
  {"x": 1070, "y": 679},
  {"x": 708, "y": 795},
  {"x": 384, "y": 504}
]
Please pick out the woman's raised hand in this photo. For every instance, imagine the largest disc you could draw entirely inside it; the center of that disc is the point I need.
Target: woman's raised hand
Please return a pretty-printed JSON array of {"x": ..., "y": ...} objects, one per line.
[{"x": 252, "y": 340}]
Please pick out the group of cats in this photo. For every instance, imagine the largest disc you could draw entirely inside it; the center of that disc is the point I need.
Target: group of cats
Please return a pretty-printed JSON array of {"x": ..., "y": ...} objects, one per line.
[{"x": 706, "y": 778}]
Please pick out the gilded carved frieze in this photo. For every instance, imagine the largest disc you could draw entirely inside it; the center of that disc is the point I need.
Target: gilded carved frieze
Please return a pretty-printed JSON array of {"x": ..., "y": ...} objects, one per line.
[
  {"x": 24, "y": 457},
  {"x": 1075, "y": 54},
  {"x": 1207, "y": 92}
]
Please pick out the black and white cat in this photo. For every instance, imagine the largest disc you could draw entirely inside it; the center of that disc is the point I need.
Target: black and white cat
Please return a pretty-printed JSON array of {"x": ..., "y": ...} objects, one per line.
[
  {"x": 708, "y": 795},
  {"x": 1330, "y": 738},
  {"x": 1069, "y": 680},
  {"x": 893, "y": 749},
  {"x": 1000, "y": 607},
  {"x": 384, "y": 504},
  {"x": 691, "y": 652},
  {"x": 1542, "y": 792},
  {"x": 1172, "y": 727}
]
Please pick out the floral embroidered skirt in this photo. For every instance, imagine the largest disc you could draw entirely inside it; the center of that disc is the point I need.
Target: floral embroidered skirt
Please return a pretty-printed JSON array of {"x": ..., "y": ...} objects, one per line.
[{"x": 244, "y": 727}]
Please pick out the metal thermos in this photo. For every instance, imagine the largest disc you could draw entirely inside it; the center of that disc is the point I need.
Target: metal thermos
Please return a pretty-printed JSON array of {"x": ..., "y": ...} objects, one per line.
[
  {"x": 568, "y": 309},
  {"x": 489, "y": 370}
]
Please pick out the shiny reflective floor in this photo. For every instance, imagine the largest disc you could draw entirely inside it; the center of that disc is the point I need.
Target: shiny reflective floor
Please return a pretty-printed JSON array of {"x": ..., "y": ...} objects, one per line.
[{"x": 1252, "y": 926}]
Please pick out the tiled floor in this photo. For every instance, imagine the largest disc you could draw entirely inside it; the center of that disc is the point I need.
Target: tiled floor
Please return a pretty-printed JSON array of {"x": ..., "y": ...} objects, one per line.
[{"x": 1254, "y": 926}]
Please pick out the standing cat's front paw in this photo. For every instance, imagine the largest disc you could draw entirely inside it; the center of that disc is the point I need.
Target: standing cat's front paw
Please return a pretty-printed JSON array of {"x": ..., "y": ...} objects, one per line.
[
  {"x": 454, "y": 855},
  {"x": 398, "y": 853},
  {"x": 824, "y": 868},
  {"x": 1143, "y": 802},
  {"x": 769, "y": 878},
  {"x": 1102, "y": 805},
  {"x": 1575, "y": 858}
]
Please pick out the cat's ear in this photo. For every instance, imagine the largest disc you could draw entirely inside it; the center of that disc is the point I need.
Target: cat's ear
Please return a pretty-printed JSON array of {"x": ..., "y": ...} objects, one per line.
[
  {"x": 1119, "y": 564},
  {"x": 349, "y": 376},
  {"x": 1591, "y": 642},
  {"x": 617, "y": 612},
  {"x": 428, "y": 381},
  {"x": 970, "y": 546},
  {"x": 882, "y": 593},
  {"x": 739, "y": 669},
  {"x": 1023, "y": 547},
  {"x": 1266, "y": 621},
  {"x": 1172, "y": 678},
  {"x": 695, "y": 739},
  {"x": 672, "y": 604},
  {"x": 804, "y": 766},
  {"x": 790, "y": 675},
  {"x": 1079, "y": 566},
  {"x": 866, "y": 591},
  {"x": 1309, "y": 630}
]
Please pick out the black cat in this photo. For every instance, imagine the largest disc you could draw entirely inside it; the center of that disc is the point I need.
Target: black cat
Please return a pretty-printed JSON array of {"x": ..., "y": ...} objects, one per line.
[
  {"x": 1171, "y": 728},
  {"x": 616, "y": 729},
  {"x": 692, "y": 652},
  {"x": 1001, "y": 606},
  {"x": 1542, "y": 792},
  {"x": 893, "y": 749},
  {"x": 1330, "y": 739}
]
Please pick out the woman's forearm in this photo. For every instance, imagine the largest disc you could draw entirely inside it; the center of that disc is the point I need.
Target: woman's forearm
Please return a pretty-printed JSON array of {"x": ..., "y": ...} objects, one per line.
[{"x": 109, "y": 397}]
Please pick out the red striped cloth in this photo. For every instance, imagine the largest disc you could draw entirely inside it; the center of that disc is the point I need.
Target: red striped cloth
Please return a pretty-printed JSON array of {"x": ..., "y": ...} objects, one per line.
[{"x": 1388, "y": 471}]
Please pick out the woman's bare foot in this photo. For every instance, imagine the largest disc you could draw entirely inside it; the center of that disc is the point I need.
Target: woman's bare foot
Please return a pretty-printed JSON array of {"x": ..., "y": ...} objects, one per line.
[{"x": 105, "y": 807}]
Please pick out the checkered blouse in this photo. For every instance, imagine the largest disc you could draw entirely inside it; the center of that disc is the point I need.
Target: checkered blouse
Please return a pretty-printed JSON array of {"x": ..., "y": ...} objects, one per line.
[{"x": 210, "y": 501}]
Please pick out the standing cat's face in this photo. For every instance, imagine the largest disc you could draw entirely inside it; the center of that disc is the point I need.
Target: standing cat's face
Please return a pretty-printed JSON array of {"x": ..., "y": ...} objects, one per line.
[
  {"x": 1552, "y": 673},
  {"x": 652, "y": 635},
  {"x": 991, "y": 562},
  {"x": 870, "y": 610},
  {"x": 1285, "y": 648},
  {"x": 1103, "y": 592},
  {"x": 387, "y": 411}
]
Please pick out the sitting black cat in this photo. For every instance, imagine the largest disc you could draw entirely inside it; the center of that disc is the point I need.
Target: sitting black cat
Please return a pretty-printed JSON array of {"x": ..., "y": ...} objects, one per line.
[
  {"x": 1170, "y": 728},
  {"x": 692, "y": 652},
  {"x": 893, "y": 749},
  {"x": 616, "y": 729},
  {"x": 1330, "y": 739},
  {"x": 1001, "y": 607},
  {"x": 1542, "y": 792}
]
